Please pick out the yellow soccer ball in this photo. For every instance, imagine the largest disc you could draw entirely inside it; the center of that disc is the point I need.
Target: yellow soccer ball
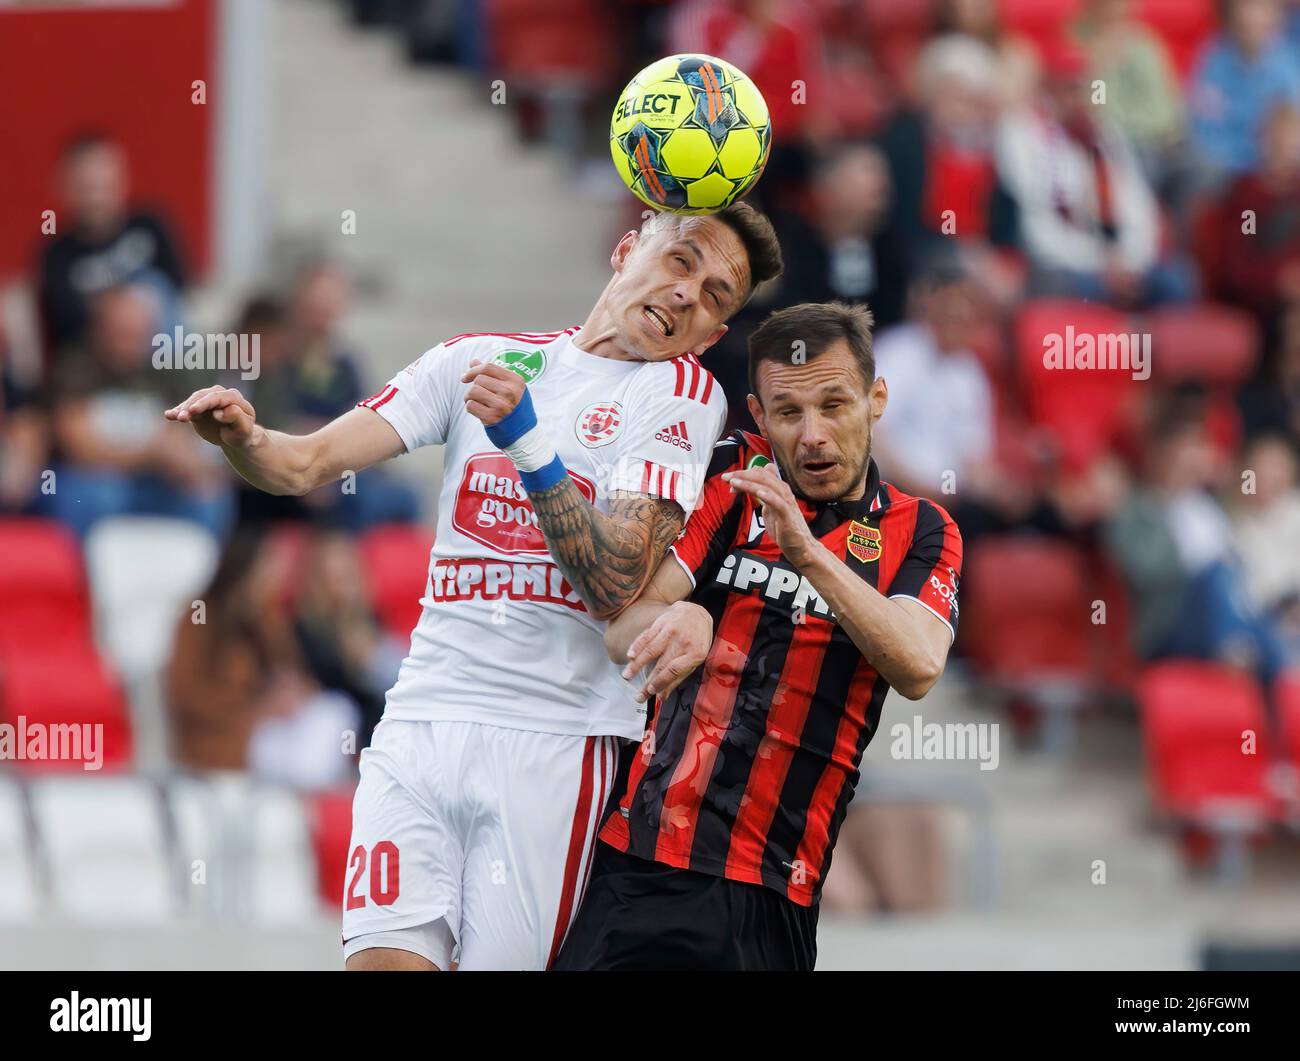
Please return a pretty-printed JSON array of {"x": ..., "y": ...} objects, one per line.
[{"x": 690, "y": 134}]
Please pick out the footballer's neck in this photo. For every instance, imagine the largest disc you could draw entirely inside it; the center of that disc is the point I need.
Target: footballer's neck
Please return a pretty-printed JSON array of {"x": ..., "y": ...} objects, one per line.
[{"x": 600, "y": 338}]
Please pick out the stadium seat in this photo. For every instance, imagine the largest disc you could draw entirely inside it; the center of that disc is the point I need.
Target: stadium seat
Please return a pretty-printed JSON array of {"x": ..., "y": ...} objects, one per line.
[
  {"x": 43, "y": 587},
  {"x": 104, "y": 841},
  {"x": 283, "y": 864},
  {"x": 331, "y": 830},
  {"x": 1195, "y": 719},
  {"x": 1183, "y": 25},
  {"x": 1083, "y": 410},
  {"x": 202, "y": 845},
  {"x": 144, "y": 574},
  {"x": 1287, "y": 693},
  {"x": 396, "y": 559},
  {"x": 1026, "y": 610},
  {"x": 66, "y": 689},
  {"x": 1212, "y": 344},
  {"x": 19, "y": 899},
  {"x": 1042, "y": 21}
]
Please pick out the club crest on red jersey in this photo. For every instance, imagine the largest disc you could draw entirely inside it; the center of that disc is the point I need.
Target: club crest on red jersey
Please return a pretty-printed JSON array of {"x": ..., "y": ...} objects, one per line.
[{"x": 864, "y": 542}]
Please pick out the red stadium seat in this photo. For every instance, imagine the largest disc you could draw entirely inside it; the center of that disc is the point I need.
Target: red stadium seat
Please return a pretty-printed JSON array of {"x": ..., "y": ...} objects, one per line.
[
  {"x": 1042, "y": 21},
  {"x": 1183, "y": 25},
  {"x": 1287, "y": 692},
  {"x": 1026, "y": 613},
  {"x": 1206, "y": 343},
  {"x": 44, "y": 599},
  {"x": 67, "y": 688},
  {"x": 1083, "y": 410},
  {"x": 1195, "y": 717},
  {"x": 331, "y": 831},
  {"x": 545, "y": 40},
  {"x": 396, "y": 559}
]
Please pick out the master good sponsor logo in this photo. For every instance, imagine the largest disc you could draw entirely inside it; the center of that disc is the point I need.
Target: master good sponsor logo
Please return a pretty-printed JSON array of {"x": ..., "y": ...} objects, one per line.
[{"x": 493, "y": 509}]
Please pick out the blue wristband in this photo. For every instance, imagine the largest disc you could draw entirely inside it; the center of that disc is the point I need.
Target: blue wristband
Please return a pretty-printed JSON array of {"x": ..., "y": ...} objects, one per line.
[
  {"x": 517, "y": 423},
  {"x": 544, "y": 478}
]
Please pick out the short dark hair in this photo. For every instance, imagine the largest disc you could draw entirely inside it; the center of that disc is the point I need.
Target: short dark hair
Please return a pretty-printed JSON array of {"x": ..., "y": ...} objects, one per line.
[
  {"x": 759, "y": 240},
  {"x": 817, "y": 325},
  {"x": 85, "y": 140}
]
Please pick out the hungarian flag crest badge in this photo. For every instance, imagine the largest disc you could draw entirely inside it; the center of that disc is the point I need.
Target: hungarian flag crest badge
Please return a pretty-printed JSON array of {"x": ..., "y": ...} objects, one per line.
[{"x": 864, "y": 542}]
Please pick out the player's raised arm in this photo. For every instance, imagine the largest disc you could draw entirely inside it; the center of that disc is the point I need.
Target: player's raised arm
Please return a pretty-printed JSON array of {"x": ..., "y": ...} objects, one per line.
[
  {"x": 279, "y": 463},
  {"x": 608, "y": 559}
]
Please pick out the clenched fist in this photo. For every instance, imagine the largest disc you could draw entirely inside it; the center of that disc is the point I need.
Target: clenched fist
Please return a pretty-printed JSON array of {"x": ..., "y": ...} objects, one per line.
[{"x": 493, "y": 392}]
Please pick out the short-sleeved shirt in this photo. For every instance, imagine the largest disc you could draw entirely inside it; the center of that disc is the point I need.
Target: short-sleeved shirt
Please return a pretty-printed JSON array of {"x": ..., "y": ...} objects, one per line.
[
  {"x": 748, "y": 766},
  {"x": 504, "y": 638}
]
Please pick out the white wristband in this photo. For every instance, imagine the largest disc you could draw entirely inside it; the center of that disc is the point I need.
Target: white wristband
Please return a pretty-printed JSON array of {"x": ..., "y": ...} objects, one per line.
[{"x": 531, "y": 451}]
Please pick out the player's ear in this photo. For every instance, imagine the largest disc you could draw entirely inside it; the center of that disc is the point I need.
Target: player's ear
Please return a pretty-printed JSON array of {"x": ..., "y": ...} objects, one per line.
[
  {"x": 701, "y": 347},
  {"x": 622, "y": 249},
  {"x": 878, "y": 397},
  {"x": 756, "y": 411}
]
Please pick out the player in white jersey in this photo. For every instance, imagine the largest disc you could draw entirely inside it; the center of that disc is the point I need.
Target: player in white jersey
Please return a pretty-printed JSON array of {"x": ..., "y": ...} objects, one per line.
[{"x": 571, "y": 461}]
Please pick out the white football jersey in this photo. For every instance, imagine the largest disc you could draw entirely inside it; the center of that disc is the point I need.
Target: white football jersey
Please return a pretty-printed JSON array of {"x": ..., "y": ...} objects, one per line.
[{"x": 503, "y": 637}]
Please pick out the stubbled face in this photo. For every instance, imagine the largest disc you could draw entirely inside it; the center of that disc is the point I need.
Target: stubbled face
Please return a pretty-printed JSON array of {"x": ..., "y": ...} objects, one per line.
[
  {"x": 674, "y": 289},
  {"x": 819, "y": 417}
]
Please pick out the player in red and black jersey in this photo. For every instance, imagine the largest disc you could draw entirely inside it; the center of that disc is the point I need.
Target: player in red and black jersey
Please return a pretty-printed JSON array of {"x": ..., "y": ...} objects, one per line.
[{"x": 807, "y": 588}]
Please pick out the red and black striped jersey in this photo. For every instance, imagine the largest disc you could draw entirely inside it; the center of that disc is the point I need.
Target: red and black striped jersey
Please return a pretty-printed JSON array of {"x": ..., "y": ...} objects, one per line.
[{"x": 747, "y": 767}]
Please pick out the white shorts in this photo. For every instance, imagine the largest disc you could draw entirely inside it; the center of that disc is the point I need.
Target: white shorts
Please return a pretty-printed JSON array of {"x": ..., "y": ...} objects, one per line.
[{"x": 472, "y": 842}]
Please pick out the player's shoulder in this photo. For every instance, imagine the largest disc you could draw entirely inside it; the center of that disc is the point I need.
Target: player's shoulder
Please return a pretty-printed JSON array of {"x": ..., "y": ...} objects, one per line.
[
  {"x": 926, "y": 515},
  {"x": 681, "y": 377},
  {"x": 737, "y": 450},
  {"x": 478, "y": 344}
]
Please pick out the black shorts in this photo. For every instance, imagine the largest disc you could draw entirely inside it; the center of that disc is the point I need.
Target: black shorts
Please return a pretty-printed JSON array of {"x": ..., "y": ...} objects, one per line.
[{"x": 646, "y": 915}]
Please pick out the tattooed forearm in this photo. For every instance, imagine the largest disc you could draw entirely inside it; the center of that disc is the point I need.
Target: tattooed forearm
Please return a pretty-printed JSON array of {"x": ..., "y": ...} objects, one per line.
[{"x": 607, "y": 559}]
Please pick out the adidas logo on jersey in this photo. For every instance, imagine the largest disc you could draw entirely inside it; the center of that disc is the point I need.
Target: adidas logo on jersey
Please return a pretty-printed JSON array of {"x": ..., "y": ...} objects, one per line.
[{"x": 675, "y": 435}]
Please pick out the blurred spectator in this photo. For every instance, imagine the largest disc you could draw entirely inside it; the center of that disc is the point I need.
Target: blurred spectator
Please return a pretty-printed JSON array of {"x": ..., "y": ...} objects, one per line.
[
  {"x": 1017, "y": 59},
  {"x": 1242, "y": 75},
  {"x": 101, "y": 243},
  {"x": 309, "y": 373},
  {"x": 1272, "y": 402},
  {"x": 1142, "y": 91},
  {"x": 24, "y": 440},
  {"x": 948, "y": 201},
  {"x": 1090, "y": 223},
  {"x": 890, "y": 858},
  {"x": 1256, "y": 255},
  {"x": 776, "y": 42},
  {"x": 936, "y": 438},
  {"x": 219, "y": 667},
  {"x": 938, "y": 427},
  {"x": 309, "y": 376},
  {"x": 338, "y": 634},
  {"x": 1175, "y": 547},
  {"x": 237, "y": 694},
  {"x": 115, "y": 453},
  {"x": 1267, "y": 533},
  {"x": 844, "y": 248}
]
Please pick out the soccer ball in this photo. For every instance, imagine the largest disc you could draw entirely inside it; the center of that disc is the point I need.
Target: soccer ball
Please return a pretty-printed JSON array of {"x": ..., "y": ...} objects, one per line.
[{"x": 690, "y": 134}]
